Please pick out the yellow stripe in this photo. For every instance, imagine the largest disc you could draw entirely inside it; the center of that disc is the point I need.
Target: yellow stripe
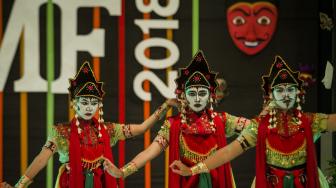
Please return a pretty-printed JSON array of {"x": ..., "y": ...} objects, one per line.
[
  {"x": 169, "y": 113},
  {"x": 24, "y": 116},
  {"x": 71, "y": 110},
  {"x": 24, "y": 131},
  {"x": 60, "y": 172}
]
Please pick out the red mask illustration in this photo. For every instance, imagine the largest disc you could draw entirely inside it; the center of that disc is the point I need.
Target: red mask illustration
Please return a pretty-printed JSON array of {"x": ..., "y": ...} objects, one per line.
[{"x": 252, "y": 25}]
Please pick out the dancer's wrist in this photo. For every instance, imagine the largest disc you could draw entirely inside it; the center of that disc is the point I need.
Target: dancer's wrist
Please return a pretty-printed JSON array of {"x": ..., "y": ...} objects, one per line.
[
  {"x": 129, "y": 169},
  {"x": 23, "y": 182},
  {"x": 199, "y": 168}
]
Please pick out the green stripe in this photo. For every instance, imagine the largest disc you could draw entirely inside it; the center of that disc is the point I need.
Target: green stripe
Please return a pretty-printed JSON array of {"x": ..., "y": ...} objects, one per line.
[
  {"x": 50, "y": 78},
  {"x": 195, "y": 26}
]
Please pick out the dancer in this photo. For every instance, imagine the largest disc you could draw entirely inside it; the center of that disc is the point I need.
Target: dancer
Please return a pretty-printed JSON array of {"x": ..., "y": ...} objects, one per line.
[
  {"x": 85, "y": 143},
  {"x": 285, "y": 152},
  {"x": 195, "y": 133}
]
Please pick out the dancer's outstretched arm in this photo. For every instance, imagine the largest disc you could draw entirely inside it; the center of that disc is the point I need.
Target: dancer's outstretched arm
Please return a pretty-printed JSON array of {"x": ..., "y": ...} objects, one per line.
[
  {"x": 219, "y": 158},
  {"x": 159, "y": 144},
  {"x": 137, "y": 129},
  {"x": 39, "y": 162},
  {"x": 137, "y": 162}
]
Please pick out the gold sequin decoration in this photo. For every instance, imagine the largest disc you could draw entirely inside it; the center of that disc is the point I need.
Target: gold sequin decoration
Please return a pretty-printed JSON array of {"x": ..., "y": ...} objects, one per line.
[
  {"x": 194, "y": 156},
  {"x": 286, "y": 160}
]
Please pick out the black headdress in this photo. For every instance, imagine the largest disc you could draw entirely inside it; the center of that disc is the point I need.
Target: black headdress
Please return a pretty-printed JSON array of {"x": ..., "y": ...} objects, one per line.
[
  {"x": 280, "y": 73},
  {"x": 85, "y": 84},
  {"x": 197, "y": 73}
]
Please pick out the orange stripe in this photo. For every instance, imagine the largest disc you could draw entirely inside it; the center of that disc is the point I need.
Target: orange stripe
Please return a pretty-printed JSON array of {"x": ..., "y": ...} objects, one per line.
[
  {"x": 169, "y": 113},
  {"x": 147, "y": 133},
  {"x": 96, "y": 17},
  {"x": 24, "y": 115},
  {"x": 1, "y": 107},
  {"x": 96, "y": 67},
  {"x": 147, "y": 111}
]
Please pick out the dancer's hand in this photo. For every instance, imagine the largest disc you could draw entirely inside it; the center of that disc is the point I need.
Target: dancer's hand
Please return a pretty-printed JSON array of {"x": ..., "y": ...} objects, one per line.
[
  {"x": 173, "y": 103},
  {"x": 5, "y": 185},
  {"x": 179, "y": 168},
  {"x": 112, "y": 169}
]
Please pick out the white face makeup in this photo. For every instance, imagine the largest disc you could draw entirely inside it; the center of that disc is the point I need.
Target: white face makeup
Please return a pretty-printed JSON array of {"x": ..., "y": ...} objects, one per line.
[
  {"x": 197, "y": 98},
  {"x": 86, "y": 107},
  {"x": 285, "y": 95}
]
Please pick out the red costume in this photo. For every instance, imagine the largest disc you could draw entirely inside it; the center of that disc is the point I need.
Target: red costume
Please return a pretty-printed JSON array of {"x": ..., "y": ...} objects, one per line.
[
  {"x": 193, "y": 136},
  {"x": 285, "y": 151},
  {"x": 83, "y": 145},
  {"x": 85, "y": 155}
]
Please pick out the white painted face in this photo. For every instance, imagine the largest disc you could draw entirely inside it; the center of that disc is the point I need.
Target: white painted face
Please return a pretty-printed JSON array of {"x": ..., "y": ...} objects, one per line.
[
  {"x": 197, "y": 98},
  {"x": 86, "y": 107},
  {"x": 285, "y": 95}
]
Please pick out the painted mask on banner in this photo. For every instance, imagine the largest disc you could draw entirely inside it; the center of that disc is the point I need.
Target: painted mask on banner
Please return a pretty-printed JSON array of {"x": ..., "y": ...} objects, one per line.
[
  {"x": 197, "y": 97},
  {"x": 285, "y": 95},
  {"x": 86, "y": 107},
  {"x": 252, "y": 25}
]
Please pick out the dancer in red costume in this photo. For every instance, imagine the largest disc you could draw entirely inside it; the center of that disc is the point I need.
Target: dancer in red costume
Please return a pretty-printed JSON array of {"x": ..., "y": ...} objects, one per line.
[
  {"x": 283, "y": 136},
  {"x": 195, "y": 133},
  {"x": 85, "y": 143}
]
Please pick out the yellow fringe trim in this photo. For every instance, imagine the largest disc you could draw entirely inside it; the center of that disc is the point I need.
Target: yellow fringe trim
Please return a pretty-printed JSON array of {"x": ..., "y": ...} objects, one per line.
[
  {"x": 286, "y": 160},
  {"x": 194, "y": 156}
]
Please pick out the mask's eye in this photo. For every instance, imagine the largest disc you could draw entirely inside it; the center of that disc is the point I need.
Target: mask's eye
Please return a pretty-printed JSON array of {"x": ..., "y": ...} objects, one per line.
[
  {"x": 191, "y": 93},
  {"x": 238, "y": 20},
  {"x": 202, "y": 93},
  {"x": 291, "y": 89},
  {"x": 278, "y": 90},
  {"x": 264, "y": 20},
  {"x": 84, "y": 103}
]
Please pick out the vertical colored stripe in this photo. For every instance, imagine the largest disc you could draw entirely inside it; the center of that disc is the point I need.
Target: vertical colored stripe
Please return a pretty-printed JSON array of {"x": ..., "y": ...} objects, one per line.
[
  {"x": 23, "y": 132},
  {"x": 96, "y": 17},
  {"x": 195, "y": 26},
  {"x": 96, "y": 24},
  {"x": 50, "y": 78},
  {"x": 96, "y": 67},
  {"x": 147, "y": 136},
  {"x": 121, "y": 89},
  {"x": 169, "y": 113},
  {"x": 1, "y": 106},
  {"x": 71, "y": 110},
  {"x": 96, "y": 60},
  {"x": 1, "y": 136},
  {"x": 23, "y": 116},
  {"x": 146, "y": 107}
]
